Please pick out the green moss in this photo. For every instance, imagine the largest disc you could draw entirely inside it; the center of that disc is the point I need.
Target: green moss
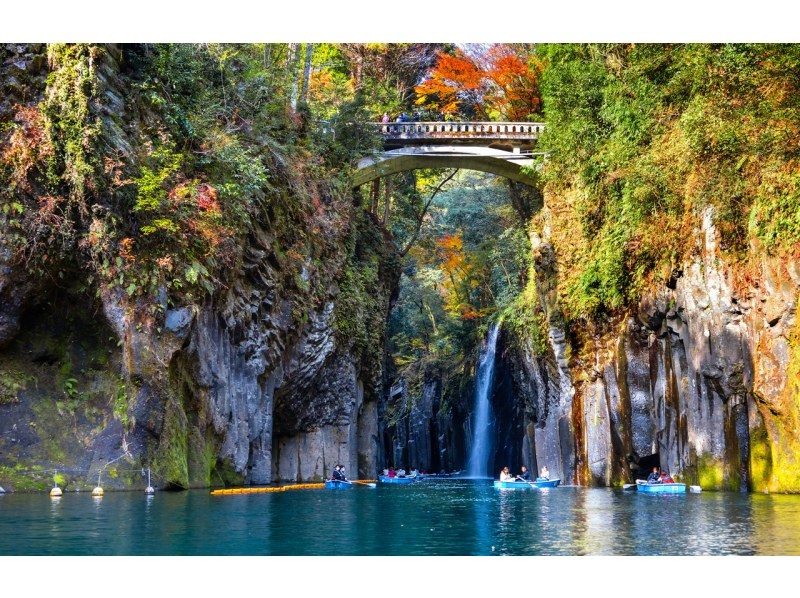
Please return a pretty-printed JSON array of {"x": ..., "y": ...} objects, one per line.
[
  {"x": 11, "y": 382},
  {"x": 171, "y": 461},
  {"x": 25, "y": 479},
  {"x": 120, "y": 403},
  {"x": 202, "y": 457},
  {"x": 224, "y": 473}
]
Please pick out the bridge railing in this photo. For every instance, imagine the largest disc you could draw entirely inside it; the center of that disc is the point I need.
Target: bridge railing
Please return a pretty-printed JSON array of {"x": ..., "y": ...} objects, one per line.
[{"x": 434, "y": 129}]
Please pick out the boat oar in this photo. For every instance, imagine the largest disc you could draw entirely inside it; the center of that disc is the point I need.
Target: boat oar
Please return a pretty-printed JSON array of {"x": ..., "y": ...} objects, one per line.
[
  {"x": 367, "y": 484},
  {"x": 531, "y": 484}
]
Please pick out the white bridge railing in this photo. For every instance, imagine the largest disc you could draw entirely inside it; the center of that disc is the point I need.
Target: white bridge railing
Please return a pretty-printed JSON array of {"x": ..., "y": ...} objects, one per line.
[{"x": 450, "y": 130}]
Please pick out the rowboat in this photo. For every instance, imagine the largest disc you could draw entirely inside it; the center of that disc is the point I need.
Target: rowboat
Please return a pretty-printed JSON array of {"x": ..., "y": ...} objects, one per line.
[
  {"x": 385, "y": 479},
  {"x": 337, "y": 485},
  {"x": 533, "y": 484},
  {"x": 663, "y": 488}
]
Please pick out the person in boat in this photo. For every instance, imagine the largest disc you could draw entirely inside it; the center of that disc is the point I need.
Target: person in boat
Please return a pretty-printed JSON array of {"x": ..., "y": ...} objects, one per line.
[
  {"x": 336, "y": 476},
  {"x": 505, "y": 476},
  {"x": 654, "y": 477},
  {"x": 386, "y": 472},
  {"x": 545, "y": 475},
  {"x": 342, "y": 473},
  {"x": 524, "y": 475},
  {"x": 413, "y": 473},
  {"x": 401, "y": 473},
  {"x": 666, "y": 478},
  {"x": 392, "y": 473}
]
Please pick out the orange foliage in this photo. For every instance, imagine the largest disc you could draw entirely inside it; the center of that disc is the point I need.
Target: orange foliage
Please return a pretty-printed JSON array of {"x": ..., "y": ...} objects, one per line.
[
  {"x": 506, "y": 84},
  {"x": 459, "y": 276},
  {"x": 207, "y": 198},
  {"x": 27, "y": 144},
  {"x": 451, "y": 75},
  {"x": 516, "y": 91},
  {"x": 126, "y": 249}
]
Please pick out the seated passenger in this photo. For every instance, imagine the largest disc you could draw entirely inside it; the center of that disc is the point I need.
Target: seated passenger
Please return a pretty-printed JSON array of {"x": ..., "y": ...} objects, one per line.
[
  {"x": 666, "y": 478},
  {"x": 654, "y": 477},
  {"x": 401, "y": 473},
  {"x": 505, "y": 476},
  {"x": 342, "y": 473},
  {"x": 385, "y": 472},
  {"x": 524, "y": 475},
  {"x": 413, "y": 473},
  {"x": 545, "y": 475},
  {"x": 392, "y": 472},
  {"x": 336, "y": 475}
]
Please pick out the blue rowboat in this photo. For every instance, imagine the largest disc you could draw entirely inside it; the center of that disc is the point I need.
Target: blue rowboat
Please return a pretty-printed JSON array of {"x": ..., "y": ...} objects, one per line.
[
  {"x": 534, "y": 484},
  {"x": 385, "y": 479},
  {"x": 337, "y": 485},
  {"x": 672, "y": 488}
]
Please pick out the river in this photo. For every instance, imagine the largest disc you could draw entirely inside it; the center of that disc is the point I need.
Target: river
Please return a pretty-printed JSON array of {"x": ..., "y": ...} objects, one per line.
[{"x": 452, "y": 517}]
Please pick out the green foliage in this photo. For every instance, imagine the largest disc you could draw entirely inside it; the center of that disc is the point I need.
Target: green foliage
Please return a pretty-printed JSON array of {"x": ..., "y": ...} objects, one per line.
[
  {"x": 120, "y": 403},
  {"x": 642, "y": 138},
  {"x": 359, "y": 312},
  {"x": 151, "y": 186}
]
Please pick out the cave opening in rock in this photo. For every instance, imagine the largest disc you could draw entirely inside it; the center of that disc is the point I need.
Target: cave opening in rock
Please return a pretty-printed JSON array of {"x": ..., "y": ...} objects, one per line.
[{"x": 641, "y": 466}]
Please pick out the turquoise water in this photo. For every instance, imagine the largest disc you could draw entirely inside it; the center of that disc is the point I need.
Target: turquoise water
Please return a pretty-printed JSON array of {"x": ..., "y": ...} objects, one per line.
[{"x": 453, "y": 517}]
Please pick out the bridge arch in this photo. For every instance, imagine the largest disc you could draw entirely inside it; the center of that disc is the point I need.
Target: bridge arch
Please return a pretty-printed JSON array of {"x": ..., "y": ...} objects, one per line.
[
  {"x": 492, "y": 147},
  {"x": 485, "y": 159}
]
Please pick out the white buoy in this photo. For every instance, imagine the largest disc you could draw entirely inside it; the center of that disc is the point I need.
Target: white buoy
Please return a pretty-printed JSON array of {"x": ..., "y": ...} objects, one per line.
[
  {"x": 97, "y": 491},
  {"x": 149, "y": 489},
  {"x": 695, "y": 489},
  {"x": 55, "y": 492}
]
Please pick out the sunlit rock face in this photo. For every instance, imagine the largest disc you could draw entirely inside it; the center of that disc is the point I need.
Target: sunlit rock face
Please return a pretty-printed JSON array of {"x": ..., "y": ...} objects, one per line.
[
  {"x": 700, "y": 377},
  {"x": 253, "y": 383}
]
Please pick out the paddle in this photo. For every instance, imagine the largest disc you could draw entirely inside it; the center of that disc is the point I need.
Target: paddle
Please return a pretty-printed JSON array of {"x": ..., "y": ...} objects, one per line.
[
  {"x": 531, "y": 484},
  {"x": 367, "y": 484}
]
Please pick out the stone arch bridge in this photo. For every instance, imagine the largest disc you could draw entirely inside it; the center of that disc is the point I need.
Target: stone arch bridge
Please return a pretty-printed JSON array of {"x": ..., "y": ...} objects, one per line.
[{"x": 500, "y": 148}]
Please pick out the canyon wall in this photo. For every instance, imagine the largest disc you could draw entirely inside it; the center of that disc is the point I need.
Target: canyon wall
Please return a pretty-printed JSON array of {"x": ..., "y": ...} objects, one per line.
[
  {"x": 272, "y": 375},
  {"x": 701, "y": 379}
]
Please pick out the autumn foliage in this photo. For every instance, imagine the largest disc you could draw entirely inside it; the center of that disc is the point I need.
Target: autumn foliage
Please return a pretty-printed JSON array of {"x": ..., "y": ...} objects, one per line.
[{"x": 499, "y": 85}]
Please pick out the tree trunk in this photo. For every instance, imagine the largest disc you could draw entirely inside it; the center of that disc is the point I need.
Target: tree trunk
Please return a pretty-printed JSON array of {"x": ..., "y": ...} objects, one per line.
[
  {"x": 294, "y": 56},
  {"x": 306, "y": 72},
  {"x": 373, "y": 196},
  {"x": 387, "y": 200}
]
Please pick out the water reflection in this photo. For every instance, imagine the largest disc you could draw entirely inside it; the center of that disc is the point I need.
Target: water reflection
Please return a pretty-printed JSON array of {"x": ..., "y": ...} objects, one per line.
[
  {"x": 453, "y": 517},
  {"x": 776, "y": 524}
]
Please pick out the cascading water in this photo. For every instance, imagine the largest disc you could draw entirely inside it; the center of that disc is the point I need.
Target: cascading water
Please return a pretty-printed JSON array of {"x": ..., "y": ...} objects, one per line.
[{"x": 478, "y": 464}]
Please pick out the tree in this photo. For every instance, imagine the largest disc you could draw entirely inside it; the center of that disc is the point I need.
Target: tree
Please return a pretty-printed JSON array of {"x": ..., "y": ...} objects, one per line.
[{"x": 492, "y": 82}]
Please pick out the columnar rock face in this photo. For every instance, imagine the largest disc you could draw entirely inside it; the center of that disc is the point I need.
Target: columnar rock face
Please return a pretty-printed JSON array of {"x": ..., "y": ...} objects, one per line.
[
  {"x": 256, "y": 382},
  {"x": 426, "y": 437},
  {"x": 700, "y": 377}
]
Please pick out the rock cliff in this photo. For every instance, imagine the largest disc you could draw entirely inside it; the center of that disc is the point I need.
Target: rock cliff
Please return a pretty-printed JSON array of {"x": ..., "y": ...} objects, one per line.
[
  {"x": 269, "y": 374},
  {"x": 698, "y": 379}
]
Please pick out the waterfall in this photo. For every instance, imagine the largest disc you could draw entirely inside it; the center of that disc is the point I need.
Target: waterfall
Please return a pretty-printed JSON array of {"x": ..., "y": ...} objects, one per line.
[{"x": 478, "y": 466}]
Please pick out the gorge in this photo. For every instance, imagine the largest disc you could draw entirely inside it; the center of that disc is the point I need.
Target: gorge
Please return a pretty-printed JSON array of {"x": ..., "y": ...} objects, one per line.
[{"x": 189, "y": 281}]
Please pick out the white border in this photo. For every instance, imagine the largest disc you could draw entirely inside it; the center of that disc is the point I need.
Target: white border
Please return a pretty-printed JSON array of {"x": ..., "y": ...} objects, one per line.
[{"x": 370, "y": 21}]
